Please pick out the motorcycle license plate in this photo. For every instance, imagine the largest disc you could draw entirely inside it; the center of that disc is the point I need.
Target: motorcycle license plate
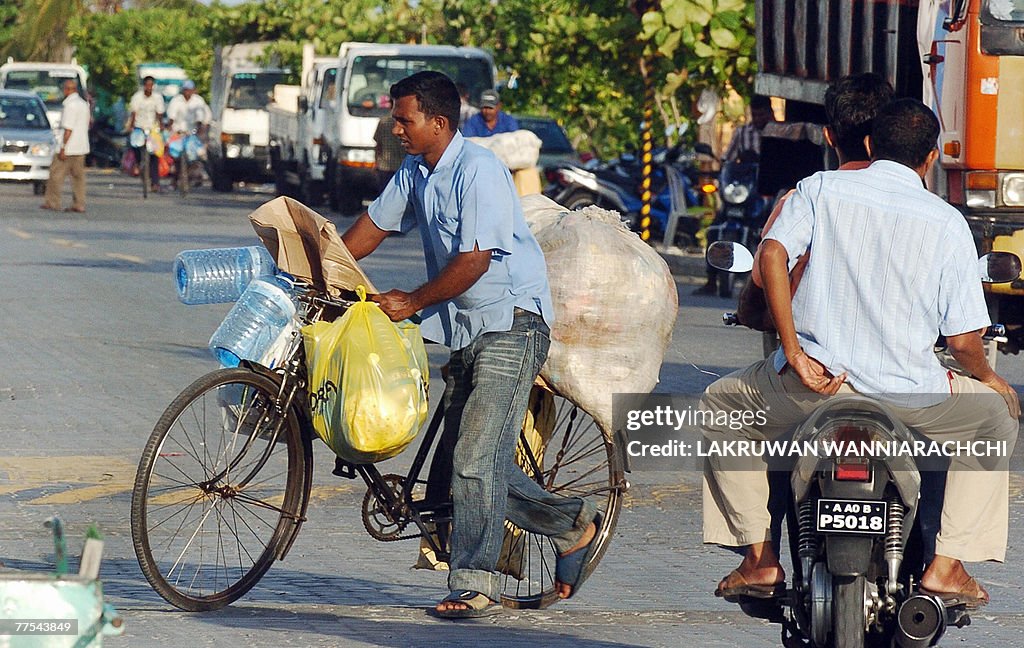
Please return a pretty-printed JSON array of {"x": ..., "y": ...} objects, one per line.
[
  {"x": 866, "y": 517},
  {"x": 6, "y": 166}
]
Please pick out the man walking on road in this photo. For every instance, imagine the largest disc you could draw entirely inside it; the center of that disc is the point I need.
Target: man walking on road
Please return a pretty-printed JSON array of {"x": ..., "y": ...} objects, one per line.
[
  {"x": 487, "y": 298},
  {"x": 74, "y": 146}
]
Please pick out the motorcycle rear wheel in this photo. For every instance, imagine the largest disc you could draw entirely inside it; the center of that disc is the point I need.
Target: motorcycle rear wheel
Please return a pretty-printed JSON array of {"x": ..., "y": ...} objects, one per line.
[{"x": 848, "y": 611}]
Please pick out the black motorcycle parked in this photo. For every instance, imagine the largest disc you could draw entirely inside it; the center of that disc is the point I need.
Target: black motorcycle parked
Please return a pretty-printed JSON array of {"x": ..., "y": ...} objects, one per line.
[
  {"x": 617, "y": 184},
  {"x": 741, "y": 215}
]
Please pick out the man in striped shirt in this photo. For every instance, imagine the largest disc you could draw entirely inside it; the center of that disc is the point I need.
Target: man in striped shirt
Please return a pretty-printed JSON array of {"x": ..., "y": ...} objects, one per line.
[{"x": 893, "y": 267}]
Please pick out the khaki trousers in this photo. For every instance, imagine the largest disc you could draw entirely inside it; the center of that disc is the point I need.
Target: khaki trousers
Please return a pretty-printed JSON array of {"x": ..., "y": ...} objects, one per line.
[
  {"x": 73, "y": 165},
  {"x": 974, "y": 523}
]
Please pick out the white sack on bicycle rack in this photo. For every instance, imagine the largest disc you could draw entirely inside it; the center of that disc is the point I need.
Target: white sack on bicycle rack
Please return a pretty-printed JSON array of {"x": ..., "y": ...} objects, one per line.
[{"x": 615, "y": 305}]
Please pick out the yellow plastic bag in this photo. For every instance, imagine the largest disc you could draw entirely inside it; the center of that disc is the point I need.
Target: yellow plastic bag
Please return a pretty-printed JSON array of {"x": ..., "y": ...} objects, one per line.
[{"x": 368, "y": 382}]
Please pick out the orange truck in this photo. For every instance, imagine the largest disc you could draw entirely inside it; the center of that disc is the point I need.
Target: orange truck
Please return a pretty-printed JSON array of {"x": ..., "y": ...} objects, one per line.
[{"x": 965, "y": 58}]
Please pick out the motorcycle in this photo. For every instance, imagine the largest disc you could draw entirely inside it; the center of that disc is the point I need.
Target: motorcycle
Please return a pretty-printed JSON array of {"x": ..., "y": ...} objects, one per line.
[
  {"x": 854, "y": 537},
  {"x": 617, "y": 184},
  {"x": 742, "y": 213}
]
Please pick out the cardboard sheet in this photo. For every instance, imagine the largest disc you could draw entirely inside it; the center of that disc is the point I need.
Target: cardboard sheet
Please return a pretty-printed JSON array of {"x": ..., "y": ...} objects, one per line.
[{"x": 307, "y": 245}]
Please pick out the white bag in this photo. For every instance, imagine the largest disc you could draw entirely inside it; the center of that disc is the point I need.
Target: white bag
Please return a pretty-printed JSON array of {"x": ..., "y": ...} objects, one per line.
[
  {"x": 615, "y": 305},
  {"x": 517, "y": 150}
]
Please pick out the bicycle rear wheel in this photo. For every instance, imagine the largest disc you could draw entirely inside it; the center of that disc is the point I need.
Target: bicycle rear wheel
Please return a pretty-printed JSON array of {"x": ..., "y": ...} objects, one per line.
[
  {"x": 217, "y": 490},
  {"x": 571, "y": 457},
  {"x": 183, "y": 166},
  {"x": 144, "y": 171}
]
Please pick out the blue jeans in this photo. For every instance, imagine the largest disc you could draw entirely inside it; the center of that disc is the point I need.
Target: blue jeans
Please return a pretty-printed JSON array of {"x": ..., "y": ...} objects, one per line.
[{"x": 488, "y": 390}]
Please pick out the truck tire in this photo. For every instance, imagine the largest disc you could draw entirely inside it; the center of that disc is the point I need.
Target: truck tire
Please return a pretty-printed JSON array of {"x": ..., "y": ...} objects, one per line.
[
  {"x": 311, "y": 192},
  {"x": 350, "y": 201},
  {"x": 38, "y": 187},
  {"x": 331, "y": 182},
  {"x": 219, "y": 180}
]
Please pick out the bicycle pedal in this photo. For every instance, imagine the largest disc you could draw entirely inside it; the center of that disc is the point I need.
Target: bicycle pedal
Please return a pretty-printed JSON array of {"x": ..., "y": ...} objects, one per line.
[{"x": 344, "y": 469}]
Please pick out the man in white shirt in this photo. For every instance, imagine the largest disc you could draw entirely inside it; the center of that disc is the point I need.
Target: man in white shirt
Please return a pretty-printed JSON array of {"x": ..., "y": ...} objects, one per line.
[
  {"x": 188, "y": 111},
  {"x": 74, "y": 146},
  {"x": 147, "y": 108}
]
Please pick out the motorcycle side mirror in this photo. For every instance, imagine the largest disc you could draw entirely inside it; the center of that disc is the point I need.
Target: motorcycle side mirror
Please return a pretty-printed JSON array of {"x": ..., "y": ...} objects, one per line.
[
  {"x": 730, "y": 257},
  {"x": 999, "y": 267}
]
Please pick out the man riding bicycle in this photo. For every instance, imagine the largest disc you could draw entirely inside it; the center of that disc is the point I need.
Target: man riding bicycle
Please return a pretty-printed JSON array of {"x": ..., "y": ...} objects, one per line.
[{"x": 147, "y": 112}]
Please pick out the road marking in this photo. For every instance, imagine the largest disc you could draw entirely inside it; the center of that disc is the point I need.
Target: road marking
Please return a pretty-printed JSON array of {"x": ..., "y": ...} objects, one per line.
[
  {"x": 126, "y": 257},
  {"x": 22, "y": 234},
  {"x": 67, "y": 243},
  {"x": 86, "y": 478},
  {"x": 91, "y": 477}
]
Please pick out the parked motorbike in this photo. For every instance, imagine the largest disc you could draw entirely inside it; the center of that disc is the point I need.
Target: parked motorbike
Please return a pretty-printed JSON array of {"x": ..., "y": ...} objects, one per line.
[
  {"x": 851, "y": 520},
  {"x": 106, "y": 144},
  {"x": 616, "y": 184},
  {"x": 742, "y": 211}
]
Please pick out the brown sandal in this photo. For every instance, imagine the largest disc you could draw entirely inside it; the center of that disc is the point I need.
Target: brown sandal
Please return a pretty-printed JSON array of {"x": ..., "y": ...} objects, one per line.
[
  {"x": 971, "y": 595},
  {"x": 751, "y": 590}
]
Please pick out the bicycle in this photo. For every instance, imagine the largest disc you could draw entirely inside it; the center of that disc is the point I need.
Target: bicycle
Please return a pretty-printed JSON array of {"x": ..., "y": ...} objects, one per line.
[
  {"x": 231, "y": 460},
  {"x": 185, "y": 154}
]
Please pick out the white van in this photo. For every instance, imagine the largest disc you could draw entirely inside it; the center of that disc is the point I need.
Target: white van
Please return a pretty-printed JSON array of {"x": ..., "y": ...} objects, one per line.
[{"x": 45, "y": 79}]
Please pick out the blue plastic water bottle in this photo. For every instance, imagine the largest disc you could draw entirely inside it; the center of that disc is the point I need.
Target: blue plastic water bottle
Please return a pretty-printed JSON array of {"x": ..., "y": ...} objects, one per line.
[
  {"x": 221, "y": 274},
  {"x": 253, "y": 324}
]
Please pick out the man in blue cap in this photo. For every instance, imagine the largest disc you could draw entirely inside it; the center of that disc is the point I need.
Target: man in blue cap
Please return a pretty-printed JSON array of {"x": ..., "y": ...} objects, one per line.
[
  {"x": 188, "y": 111},
  {"x": 490, "y": 120}
]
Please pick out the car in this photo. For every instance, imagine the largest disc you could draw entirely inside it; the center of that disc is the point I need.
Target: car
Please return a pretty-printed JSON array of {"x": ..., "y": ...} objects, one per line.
[
  {"x": 555, "y": 147},
  {"x": 26, "y": 142}
]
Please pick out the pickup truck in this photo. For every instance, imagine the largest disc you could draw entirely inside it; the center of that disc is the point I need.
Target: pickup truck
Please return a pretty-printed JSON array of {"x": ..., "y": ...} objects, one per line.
[
  {"x": 297, "y": 120},
  {"x": 239, "y": 135},
  {"x": 365, "y": 74}
]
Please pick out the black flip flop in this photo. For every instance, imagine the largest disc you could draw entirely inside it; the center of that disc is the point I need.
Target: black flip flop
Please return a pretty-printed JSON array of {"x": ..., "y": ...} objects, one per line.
[
  {"x": 478, "y": 605},
  {"x": 573, "y": 569}
]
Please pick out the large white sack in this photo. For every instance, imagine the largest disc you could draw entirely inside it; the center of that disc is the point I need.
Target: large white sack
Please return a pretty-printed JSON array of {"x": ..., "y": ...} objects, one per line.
[
  {"x": 615, "y": 305},
  {"x": 517, "y": 150}
]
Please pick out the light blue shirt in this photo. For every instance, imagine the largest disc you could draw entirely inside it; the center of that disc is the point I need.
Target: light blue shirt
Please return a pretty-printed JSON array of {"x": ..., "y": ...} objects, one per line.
[
  {"x": 475, "y": 126},
  {"x": 468, "y": 201},
  {"x": 892, "y": 266}
]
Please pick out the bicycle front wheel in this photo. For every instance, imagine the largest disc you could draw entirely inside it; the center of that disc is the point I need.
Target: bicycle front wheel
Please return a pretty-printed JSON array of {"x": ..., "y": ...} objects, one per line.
[
  {"x": 565, "y": 451},
  {"x": 217, "y": 491}
]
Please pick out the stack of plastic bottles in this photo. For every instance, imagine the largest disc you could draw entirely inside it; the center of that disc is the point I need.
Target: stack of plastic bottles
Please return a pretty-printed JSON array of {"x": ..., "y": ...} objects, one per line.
[{"x": 263, "y": 313}]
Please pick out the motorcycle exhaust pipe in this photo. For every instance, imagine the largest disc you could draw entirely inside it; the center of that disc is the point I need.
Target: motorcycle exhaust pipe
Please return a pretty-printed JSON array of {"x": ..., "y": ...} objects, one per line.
[{"x": 921, "y": 622}]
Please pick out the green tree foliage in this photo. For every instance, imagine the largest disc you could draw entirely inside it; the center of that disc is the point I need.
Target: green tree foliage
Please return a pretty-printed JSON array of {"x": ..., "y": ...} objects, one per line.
[
  {"x": 40, "y": 33},
  {"x": 113, "y": 44},
  {"x": 576, "y": 61},
  {"x": 702, "y": 44}
]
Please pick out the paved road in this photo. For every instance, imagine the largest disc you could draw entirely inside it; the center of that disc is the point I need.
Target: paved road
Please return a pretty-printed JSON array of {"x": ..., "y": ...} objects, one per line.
[{"x": 96, "y": 344}]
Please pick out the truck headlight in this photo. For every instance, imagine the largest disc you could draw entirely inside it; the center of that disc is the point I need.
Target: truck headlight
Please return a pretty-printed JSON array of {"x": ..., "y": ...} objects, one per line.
[
  {"x": 42, "y": 150},
  {"x": 232, "y": 150},
  {"x": 355, "y": 157},
  {"x": 1013, "y": 189}
]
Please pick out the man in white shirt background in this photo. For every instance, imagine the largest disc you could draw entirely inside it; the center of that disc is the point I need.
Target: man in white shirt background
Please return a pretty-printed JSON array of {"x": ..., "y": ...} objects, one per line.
[
  {"x": 188, "y": 111},
  {"x": 147, "y": 108},
  {"x": 74, "y": 146}
]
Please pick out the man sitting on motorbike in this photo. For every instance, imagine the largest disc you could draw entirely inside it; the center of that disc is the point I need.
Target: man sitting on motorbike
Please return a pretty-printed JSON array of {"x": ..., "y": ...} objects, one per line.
[{"x": 893, "y": 267}]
